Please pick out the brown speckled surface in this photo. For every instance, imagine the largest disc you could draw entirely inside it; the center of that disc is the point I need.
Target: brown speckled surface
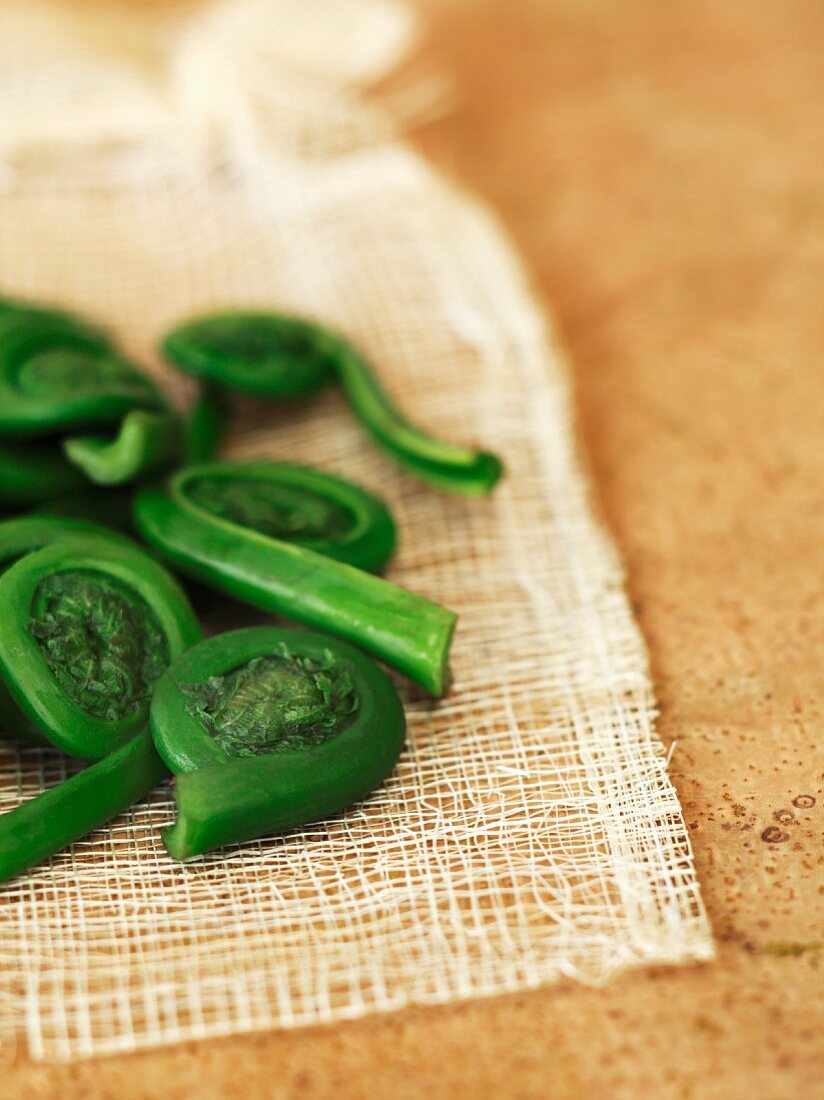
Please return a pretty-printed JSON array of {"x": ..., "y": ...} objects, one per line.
[{"x": 661, "y": 166}]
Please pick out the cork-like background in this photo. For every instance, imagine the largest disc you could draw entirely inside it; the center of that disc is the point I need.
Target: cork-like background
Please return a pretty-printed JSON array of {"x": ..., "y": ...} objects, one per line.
[{"x": 661, "y": 167}]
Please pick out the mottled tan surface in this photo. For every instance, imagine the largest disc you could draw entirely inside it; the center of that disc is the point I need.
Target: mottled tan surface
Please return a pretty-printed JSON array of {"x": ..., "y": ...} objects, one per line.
[{"x": 661, "y": 166}]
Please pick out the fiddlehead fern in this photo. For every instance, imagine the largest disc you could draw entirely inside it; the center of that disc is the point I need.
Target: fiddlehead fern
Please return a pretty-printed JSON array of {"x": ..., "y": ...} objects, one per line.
[
  {"x": 300, "y": 579},
  {"x": 145, "y": 441},
  {"x": 54, "y": 819},
  {"x": 284, "y": 357},
  {"x": 55, "y": 377},
  {"x": 206, "y": 425},
  {"x": 89, "y": 625},
  {"x": 23, "y": 534},
  {"x": 298, "y": 504},
  {"x": 258, "y": 353},
  {"x": 268, "y": 729}
]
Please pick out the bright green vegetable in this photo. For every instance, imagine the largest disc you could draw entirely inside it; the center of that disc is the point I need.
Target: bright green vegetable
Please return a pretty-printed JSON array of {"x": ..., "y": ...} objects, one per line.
[
  {"x": 285, "y": 357},
  {"x": 294, "y": 503},
  {"x": 15, "y": 310},
  {"x": 145, "y": 442},
  {"x": 206, "y": 425},
  {"x": 259, "y": 353},
  {"x": 19, "y": 537},
  {"x": 54, "y": 819},
  {"x": 407, "y": 631},
  {"x": 103, "y": 645},
  {"x": 269, "y": 729},
  {"x": 87, "y": 631},
  {"x": 148, "y": 441},
  {"x": 57, "y": 376},
  {"x": 23, "y": 534},
  {"x": 445, "y": 465}
]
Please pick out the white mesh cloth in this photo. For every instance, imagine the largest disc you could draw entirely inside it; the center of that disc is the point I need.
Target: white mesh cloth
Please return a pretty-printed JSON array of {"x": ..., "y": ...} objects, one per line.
[{"x": 152, "y": 170}]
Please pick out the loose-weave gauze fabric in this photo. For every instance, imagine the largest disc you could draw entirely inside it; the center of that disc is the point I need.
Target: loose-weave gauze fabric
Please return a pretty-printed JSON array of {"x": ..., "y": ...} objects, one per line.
[{"x": 153, "y": 169}]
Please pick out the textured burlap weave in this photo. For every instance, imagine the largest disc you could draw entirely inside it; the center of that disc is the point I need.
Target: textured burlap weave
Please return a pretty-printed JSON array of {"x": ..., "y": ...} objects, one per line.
[{"x": 530, "y": 831}]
